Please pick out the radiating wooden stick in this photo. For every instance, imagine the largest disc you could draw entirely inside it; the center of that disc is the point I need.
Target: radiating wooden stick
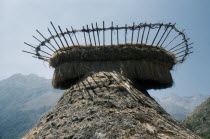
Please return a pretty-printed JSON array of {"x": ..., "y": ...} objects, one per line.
[
  {"x": 46, "y": 39},
  {"x": 117, "y": 36},
  {"x": 167, "y": 35},
  {"x": 53, "y": 38},
  {"x": 173, "y": 39},
  {"x": 63, "y": 36},
  {"x": 183, "y": 51},
  {"x": 43, "y": 44},
  {"x": 93, "y": 34},
  {"x": 37, "y": 48},
  {"x": 84, "y": 35},
  {"x": 125, "y": 33},
  {"x": 34, "y": 54},
  {"x": 148, "y": 33},
  {"x": 111, "y": 33},
  {"x": 70, "y": 36},
  {"x": 163, "y": 34},
  {"x": 178, "y": 44},
  {"x": 57, "y": 34},
  {"x": 132, "y": 33},
  {"x": 75, "y": 35},
  {"x": 138, "y": 35},
  {"x": 89, "y": 35},
  {"x": 98, "y": 33},
  {"x": 157, "y": 34},
  {"x": 103, "y": 33},
  {"x": 142, "y": 37}
]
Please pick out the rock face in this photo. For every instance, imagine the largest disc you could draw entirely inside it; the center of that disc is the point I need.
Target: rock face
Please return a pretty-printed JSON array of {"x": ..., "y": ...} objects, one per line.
[
  {"x": 107, "y": 105},
  {"x": 199, "y": 120}
]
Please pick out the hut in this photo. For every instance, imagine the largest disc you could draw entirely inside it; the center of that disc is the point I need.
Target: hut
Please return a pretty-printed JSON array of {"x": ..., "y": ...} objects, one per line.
[{"x": 107, "y": 72}]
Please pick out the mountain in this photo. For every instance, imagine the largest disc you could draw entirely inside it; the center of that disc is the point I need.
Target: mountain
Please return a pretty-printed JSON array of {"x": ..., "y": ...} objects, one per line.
[
  {"x": 199, "y": 120},
  {"x": 23, "y": 100},
  {"x": 180, "y": 106}
]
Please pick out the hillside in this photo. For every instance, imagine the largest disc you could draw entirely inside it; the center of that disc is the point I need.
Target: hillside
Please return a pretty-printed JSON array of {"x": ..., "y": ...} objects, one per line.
[
  {"x": 199, "y": 120},
  {"x": 180, "y": 106},
  {"x": 23, "y": 100}
]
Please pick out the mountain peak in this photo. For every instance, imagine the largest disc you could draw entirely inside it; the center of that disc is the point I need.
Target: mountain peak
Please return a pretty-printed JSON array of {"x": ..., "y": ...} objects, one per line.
[
  {"x": 16, "y": 75},
  {"x": 28, "y": 81},
  {"x": 19, "y": 75}
]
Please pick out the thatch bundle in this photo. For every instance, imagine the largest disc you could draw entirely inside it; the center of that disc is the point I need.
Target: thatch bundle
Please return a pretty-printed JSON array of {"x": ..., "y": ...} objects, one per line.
[
  {"x": 147, "y": 65},
  {"x": 111, "y": 53}
]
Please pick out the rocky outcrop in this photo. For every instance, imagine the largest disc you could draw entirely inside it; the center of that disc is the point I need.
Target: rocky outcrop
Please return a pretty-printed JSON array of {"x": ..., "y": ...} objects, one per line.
[{"x": 107, "y": 105}]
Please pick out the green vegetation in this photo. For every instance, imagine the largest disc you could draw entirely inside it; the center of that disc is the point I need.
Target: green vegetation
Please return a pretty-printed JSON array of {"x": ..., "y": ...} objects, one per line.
[{"x": 199, "y": 120}]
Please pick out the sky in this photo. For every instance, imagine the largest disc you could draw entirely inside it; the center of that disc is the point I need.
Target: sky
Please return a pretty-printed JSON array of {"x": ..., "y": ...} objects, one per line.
[{"x": 20, "y": 19}]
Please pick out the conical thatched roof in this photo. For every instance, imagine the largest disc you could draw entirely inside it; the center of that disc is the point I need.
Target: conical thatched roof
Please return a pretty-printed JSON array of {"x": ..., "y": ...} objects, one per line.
[
  {"x": 107, "y": 83},
  {"x": 106, "y": 105},
  {"x": 147, "y": 65}
]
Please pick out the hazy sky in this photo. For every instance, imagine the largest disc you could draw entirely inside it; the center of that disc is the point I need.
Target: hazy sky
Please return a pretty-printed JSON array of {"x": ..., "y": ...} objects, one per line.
[{"x": 20, "y": 18}]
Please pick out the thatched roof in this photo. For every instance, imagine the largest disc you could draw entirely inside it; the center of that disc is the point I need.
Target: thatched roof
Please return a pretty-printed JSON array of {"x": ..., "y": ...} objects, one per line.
[
  {"x": 147, "y": 65},
  {"x": 165, "y": 36},
  {"x": 112, "y": 53},
  {"x": 107, "y": 105},
  {"x": 157, "y": 47}
]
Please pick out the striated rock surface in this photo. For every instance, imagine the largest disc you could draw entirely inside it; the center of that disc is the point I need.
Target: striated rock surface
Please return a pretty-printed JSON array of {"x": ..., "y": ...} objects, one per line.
[{"x": 107, "y": 105}]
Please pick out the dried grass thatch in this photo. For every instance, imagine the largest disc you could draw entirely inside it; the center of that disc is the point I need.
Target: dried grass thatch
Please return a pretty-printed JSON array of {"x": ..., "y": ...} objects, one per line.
[
  {"x": 148, "y": 65},
  {"x": 152, "y": 75},
  {"x": 112, "y": 53}
]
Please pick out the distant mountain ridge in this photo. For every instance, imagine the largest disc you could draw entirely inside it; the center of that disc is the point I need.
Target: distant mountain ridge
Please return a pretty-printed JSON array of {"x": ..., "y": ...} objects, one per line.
[
  {"x": 199, "y": 120},
  {"x": 24, "y": 98}
]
